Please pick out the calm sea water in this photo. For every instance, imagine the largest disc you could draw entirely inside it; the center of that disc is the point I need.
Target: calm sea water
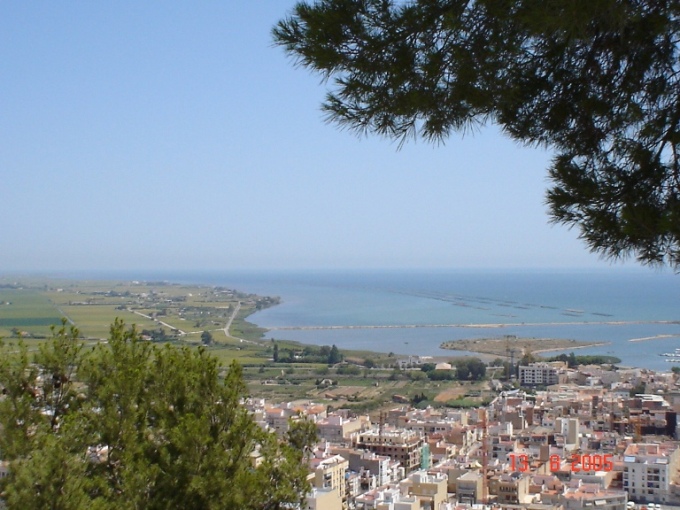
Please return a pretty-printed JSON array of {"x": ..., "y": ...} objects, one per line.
[{"x": 613, "y": 306}]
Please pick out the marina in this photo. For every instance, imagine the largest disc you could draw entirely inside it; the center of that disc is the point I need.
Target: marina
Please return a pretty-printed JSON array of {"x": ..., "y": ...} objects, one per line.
[{"x": 673, "y": 357}]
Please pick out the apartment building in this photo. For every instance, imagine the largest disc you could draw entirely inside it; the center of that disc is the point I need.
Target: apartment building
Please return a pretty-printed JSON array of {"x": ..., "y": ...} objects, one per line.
[
  {"x": 538, "y": 374},
  {"x": 337, "y": 428},
  {"x": 588, "y": 496},
  {"x": 648, "y": 470},
  {"x": 469, "y": 488},
  {"x": 386, "y": 498},
  {"x": 429, "y": 488},
  {"x": 322, "y": 499},
  {"x": 374, "y": 470},
  {"x": 329, "y": 473},
  {"x": 511, "y": 488},
  {"x": 402, "y": 445}
]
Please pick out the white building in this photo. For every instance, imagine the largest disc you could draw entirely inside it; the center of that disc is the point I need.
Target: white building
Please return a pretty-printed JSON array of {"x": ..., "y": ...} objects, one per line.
[
  {"x": 538, "y": 374},
  {"x": 647, "y": 471},
  {"x": 322, "y": 498},
  {"x": 386, "y": 498}
]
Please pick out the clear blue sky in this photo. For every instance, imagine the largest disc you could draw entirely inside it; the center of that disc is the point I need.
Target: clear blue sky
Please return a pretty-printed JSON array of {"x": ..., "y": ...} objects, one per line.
[{"x": 173, "y": 135}]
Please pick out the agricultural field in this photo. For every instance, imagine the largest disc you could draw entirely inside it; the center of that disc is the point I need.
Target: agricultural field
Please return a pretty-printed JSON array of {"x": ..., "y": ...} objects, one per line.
[
  {"x": 216, "y": 318},
  {"x": 26, "y": 310},
  {"x": 182, "y": 312}
]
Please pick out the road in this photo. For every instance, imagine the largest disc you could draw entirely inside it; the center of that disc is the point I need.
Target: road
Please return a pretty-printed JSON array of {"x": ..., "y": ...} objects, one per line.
[
  {"x": 172, "y": 328},
  {"x": 230, "y": 320}
]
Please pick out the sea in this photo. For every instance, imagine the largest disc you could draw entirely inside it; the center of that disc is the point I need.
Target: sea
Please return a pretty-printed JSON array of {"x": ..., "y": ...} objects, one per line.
[{"x": 634, "y": 313}]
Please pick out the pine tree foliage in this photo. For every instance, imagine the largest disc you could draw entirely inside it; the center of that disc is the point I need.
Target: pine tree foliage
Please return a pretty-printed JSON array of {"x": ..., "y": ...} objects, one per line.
[
  {"x": 597, "y": 81},
  {"x": 133, "y": 425}
]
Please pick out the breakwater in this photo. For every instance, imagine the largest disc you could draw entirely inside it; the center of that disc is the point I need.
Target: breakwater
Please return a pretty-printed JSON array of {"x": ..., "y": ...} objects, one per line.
[{"x": 470, "y": 325}]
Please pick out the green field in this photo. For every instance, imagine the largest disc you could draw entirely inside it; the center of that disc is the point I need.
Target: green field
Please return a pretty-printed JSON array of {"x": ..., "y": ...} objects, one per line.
[
  {"x": 26, "y": 310},
  {"x": 179, "y": 314}
]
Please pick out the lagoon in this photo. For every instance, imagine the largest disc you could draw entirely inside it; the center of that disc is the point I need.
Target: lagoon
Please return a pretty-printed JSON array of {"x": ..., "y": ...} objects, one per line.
[{"x": 412, "y": 312}]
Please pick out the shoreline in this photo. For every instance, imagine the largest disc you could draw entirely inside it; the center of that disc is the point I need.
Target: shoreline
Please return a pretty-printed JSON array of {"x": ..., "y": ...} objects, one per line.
[
  {"x": 658, "y": 329},
  {"x": 599, "y": 344},
  {"x": 507, "y": 347},
  {"x": 480, "y": 325},
  {"x": 656, "y": 337}
]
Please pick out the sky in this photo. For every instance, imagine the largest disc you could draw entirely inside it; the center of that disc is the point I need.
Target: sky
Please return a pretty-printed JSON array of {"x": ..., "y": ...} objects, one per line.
[{"x": 176, "y": 136}]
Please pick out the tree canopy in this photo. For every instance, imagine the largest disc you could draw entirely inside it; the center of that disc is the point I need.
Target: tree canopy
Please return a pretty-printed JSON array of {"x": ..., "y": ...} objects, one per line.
[
  {"x": 597, "y": 81},
  {"x": 472, "y": 368},
  {"x": 130, "y": 424}
]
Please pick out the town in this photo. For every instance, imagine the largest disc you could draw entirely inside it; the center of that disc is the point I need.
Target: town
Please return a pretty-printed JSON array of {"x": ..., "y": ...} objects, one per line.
[
  {"x": 537, "y": 435},
  {"x": 587, "y": 441}
]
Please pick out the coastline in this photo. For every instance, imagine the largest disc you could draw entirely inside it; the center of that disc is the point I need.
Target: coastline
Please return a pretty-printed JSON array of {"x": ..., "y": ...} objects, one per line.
[
  {"x": 367, "y": 310},
  {"x": 511, "y": 346},
  {"x": 656, "y": 337},
  {"x": 599, "y": 344},
  {"x": 490, "y": 325}
]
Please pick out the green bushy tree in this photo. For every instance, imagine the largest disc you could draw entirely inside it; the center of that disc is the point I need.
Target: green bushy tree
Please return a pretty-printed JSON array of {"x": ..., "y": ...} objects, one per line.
[
  {"x": 130, "y": 424},
  {"x": 597, "y": 81},
  {"x": 472, "y": 368}
]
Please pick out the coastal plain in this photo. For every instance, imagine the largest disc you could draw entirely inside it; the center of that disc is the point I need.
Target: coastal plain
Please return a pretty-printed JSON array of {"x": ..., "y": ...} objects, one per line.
[{"x": 215, "y": 318}]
